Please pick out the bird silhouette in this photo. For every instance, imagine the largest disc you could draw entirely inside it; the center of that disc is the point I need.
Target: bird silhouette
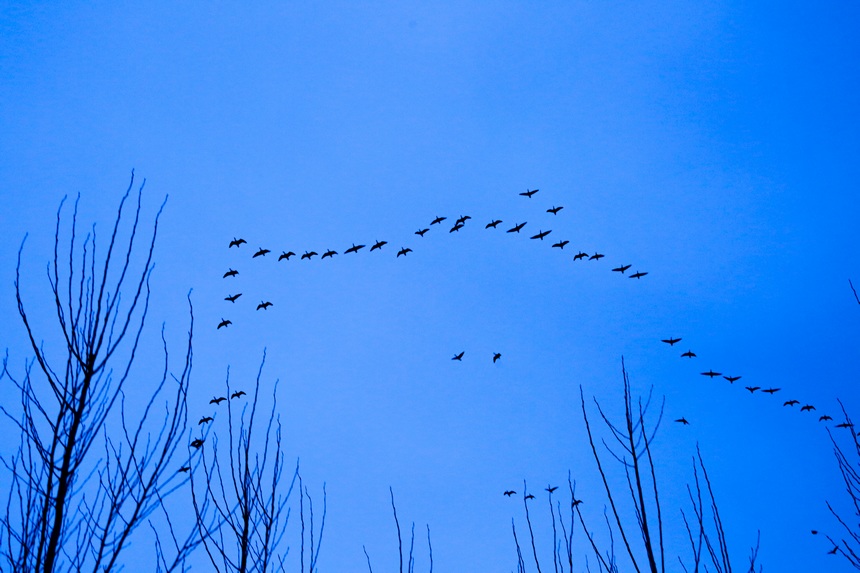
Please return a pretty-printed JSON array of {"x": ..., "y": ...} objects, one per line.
[
  {"x": 529, "y": 193},
  {"x": 638, "y": 275},
  {"x": 550, "y": 488},
  {"x": 711, "y": 373},
  {"x": 233, "y": 297},
  {"x": 264, "y": 305},
  {"x": 456, "y": 227},
  {"x": 355, "y": 248},
  {"x": 510, "y": 492},
  {"x": 197, "y": 443},
  {"x": 824, "y": 418},
  {"x": 529, "y": 496},
  {"x": 579, "y": 255},
  {"x": 542, "y": 234},
  {"x": 309, "y": 255},
  {"x": 378, "y": 245},
  {"x": 421, "y": 232},
  {"x": 752, "y": 388},
  {"x": 260, "y": 253},
  {"x": 328, "y": 253},
  {"x": 733, "y": 379},
  {"x": 845, "y": 425},
  {"x": 231, "y": 273},
  {"x": 807, "y": 408},
  {"x": 771, "y": 390},
  {"x": 689, "y": 354},
  {"x": 223, "y": 323},
  {"x": 217, "y": 401},
  {"x": 462, "y": 220},
  {"x": 493, "y": 224},
  {"x": 671, "y": 341},
  {"x": 834, "y": 550},
  {"x": 790, "y": 403},
  {"x": 621, "y": 269},
  {"x": 236, "y": 243},
  {"x": 516, "y": 228},
  {"x": 683, "y": 421},
  {"x": 561, "y": 244},
  {"x": 554, "y": 210},
  {"x": 459, "y": 356},
  {"x": 238, "y": 394},
  {"x": 575, "y": 502},
  {"x": 596, "y": 257},
  {"x": 286, "y": 255},
  {"x": 496, "y": 357},
  {"x": 184, "y": 469},
  {"x": 403, "y": 251},
  {"x": 205, "y": 419},
  {"x": 437, "y": 220}
]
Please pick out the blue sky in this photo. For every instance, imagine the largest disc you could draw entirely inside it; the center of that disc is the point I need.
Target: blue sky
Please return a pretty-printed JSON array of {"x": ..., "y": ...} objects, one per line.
[{"x": 711, "y": 144}]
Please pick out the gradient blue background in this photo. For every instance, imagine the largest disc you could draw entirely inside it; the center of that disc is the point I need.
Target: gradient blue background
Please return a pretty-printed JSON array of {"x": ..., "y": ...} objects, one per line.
[{"x": 712, "y": 144}]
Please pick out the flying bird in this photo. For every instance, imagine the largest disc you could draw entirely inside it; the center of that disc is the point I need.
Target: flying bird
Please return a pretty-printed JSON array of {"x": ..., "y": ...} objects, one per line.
[
  {"x": 459, "y": 356},
  {"x": 437, "y": 220},
  {"x": 264, "y": 305},
  {"x": 197, "y": 443},
  {"x": 529, "y": 193},
  {"x": 236, "y": 243},
  {"x": 260, "y": 253},
  {"x": 638, "y": 275},
  {"x": 790, "y": 403},
  {"x": 554, "y": 210},
  {"x": 233, "y": 297},
  {"x": 376, "y": 245},
  {"x": 456, "y": 227},
  {"x": 421, "y": 232},
  {"x": 683, "y": 421},
  {"x": 493, "y": 224},
  {"x": 734, "y": 379},
  {"x": 516, "y": 228},
  {"x": 845, "y": 425},
  {"x": 496, "y": 356},
  {"x": 238, "y": 394},
  {"x": 689, "y": 354},
  {"x": 711, "y": 373},
  {"x": 529, "y": 496},
  {"x": 309, "y": 255},
  {"x": 561, "y": 244},
  {"x": 328, "y": 253},
  {"x": 596, "y": 257},
  {"x": 834, "y": 550},
  {"x": 575, "y": 502},
  {"x": 224, "y": 323},
  {"x": 771, "y": 390},
  {"x": 824, "y": 418},
  {"x": 510, "y": 492},
  {"x": 231, "y": 273},
  {"x": 671, "y": 341},
  {"x": 542, "y": 234},
  {"x": 355, "y": 248},
  {"x": 184, "y": 469},
  {"x": 752, "y": 388},
  {"x": 550, "y": 488},
  {"x": 217, "y": 401},
  {"x": 286, "y": 255},
  {"x": 205, "y": 419},
  {"x": 621, "y": 269},
  {"x": 807, "y": 408},
  {"x": 462, "y": 220},
  {"x": 403, "y": 251},
  {"x": 579, "y": 255}
]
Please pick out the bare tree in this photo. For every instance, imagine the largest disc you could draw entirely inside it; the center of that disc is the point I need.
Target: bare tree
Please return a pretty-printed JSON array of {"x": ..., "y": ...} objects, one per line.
[
  {"x": 410, "y": 558},
  {"x": 89, "y": 469}
]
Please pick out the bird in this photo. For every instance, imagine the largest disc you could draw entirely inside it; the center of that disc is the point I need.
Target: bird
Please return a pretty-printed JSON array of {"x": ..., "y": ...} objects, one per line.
[
  {"x": 355, "y": 248},
  {"x": 516, "y": 228},
  {"x": 689, "y": 354},
  {"x": 236, "y": 243},
  {"x": 790, "y": 403},
  {"x": 671, "y": 341},
  {"x": 579, "y": 255},
  {"x": 462, "y": 220},
  {"x": 834, "y": 550},
  {"x": 771, "y": 390},
  {"x": 197, "y": 443},
  {"x": 807, "y": 408},
  {"x": 496, "y": 356},
  {"x": 824, "y": 418},
  {"x": 814, "y": 532},
  {"x": 264, "y": 305},
  {"x": 217, "y": 401},
  {"x": 575, "y": 502},
  {"x": 376, "y": 245},
  {"x": 734, "y": 379},
  {"x": 437, "y": 220},
  {"x": 638, "y": 275},
  {"x": 459, "y": 356},
  {"x": 752, "y": 389},
  {"x": 224, "y": 323},
  {"x": 456, "y": 227},
  {"x": 493, "y": 224},
  {"x": 233, "y": 297},
  {"x": 260, "y": 253},
  {"x": 621, "y": 269},
  {"x": 529, "y": 193},
  {"x": 421, "y": 232},
  {"x": 542, "y": 234},
  {"x": 205, "y": 419},
  {"x": 309, "y": 255},
  {"x": 529, "y": 496},
  {"x": 554, "y": 210},
  {"x": 231, "y": 273},
  {"x": 184, "y": 469},
  {"x": 561, "y": 244},
  {"x": 238, "y": 394},
  {"x": 403, "y": 251},
  {"x": 509, "y": 492},
  {"x": 683, "y": 421},
  {"x": 328, "y": 253},
  {"x": 286, "y": 255},
  {"x": 596, "y": 257},
  {"x": 711, "y": 373},
  {"x": 550, "y": 488},
  {"x": 845, "y": 425}
]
